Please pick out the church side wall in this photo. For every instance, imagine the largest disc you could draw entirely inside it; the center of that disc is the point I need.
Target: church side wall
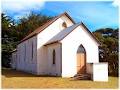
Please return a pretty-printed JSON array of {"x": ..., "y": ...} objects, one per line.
[
  {"x": 14, "y": 59},
  {"x": 27, "y": 56},
  {"x": 70, "y": 45}
]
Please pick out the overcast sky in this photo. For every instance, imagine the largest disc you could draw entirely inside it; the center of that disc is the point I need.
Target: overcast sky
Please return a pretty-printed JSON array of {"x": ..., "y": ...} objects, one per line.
[{"x": 94, "y": 14}]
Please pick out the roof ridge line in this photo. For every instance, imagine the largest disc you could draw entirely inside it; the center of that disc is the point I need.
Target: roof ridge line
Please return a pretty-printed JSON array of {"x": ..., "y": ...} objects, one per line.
[{"x": 41, "y": 28}]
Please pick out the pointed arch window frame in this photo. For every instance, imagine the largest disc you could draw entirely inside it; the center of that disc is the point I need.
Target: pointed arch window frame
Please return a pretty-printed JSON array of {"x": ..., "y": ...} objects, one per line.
[
  {"x": 81, "y": 49},
  {"x": 54, "y": 57}
]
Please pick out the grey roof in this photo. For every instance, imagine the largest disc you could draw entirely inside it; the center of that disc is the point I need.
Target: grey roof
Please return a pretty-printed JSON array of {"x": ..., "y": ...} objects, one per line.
[{"x": 62, "y": 34}]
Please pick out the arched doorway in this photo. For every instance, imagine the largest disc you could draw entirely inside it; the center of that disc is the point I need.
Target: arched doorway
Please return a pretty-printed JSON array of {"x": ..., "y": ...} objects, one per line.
[{"x": 81, "y": 60}]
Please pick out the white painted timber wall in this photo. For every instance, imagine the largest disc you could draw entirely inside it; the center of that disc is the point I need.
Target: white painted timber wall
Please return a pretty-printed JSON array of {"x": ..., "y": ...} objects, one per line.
[
  {"x": 25, "y": 62},
  {"x": 14, "y": 60},
  {"x": 54, "y": 69},
  {"x": 100, "y": 71},
  {"x": 70, "y": 45},
  {"x": 43, "y": 38}
]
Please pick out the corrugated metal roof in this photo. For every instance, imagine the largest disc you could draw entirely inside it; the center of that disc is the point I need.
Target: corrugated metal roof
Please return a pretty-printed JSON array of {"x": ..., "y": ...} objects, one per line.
[{"x": 61, "y": 35}]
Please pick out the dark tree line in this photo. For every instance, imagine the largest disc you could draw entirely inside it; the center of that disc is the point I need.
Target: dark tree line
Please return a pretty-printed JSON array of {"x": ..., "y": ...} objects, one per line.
[
  {"x": 108, "y": 51},
  {"x": 13, "y": 32}
]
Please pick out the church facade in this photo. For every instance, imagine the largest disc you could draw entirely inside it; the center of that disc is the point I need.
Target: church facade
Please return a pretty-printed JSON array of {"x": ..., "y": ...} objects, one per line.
[{"x": 60, "y": 47}]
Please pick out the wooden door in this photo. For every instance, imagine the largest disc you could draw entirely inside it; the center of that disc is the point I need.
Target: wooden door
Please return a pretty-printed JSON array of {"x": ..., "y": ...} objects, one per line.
[{"x": 81, "y": 63}]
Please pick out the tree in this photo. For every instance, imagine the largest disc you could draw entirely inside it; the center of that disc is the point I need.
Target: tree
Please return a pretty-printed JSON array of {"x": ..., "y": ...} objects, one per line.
[
  {"x": 7, "y": 39},
  {"x": 30, "y": 23},
  {"x": 13, "y": 32},
  {"x": 108, "y": 51}
]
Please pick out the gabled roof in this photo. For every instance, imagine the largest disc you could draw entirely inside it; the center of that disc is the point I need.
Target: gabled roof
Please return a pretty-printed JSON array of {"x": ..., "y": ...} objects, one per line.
[
  {"x": 61, "y": 35},
  {"x": 40, "y": 29}
]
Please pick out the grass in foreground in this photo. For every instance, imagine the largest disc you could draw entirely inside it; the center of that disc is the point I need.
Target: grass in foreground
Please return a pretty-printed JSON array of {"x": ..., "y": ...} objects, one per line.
[{"x": 17, "y": 79}]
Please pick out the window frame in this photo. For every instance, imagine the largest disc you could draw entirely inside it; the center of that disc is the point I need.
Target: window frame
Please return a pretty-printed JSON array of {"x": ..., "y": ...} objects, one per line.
[
  {"x": 32, "y": 51},
  {"x": 25, "y": 52},
  {"x": 53, "y": 57},
  {"x": 64, "y": 25}
]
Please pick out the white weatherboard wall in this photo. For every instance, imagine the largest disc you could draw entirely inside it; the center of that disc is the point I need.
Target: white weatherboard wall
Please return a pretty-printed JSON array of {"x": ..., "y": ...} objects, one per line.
[
  {"x": 14, "y": 60},
  {"x": 70, "y": 45},
  {"x": 100, "y": 72},
  {"x": 25, "y": 62},
  {"x": 54, "y": 69},
  {"x": 43, "y": 37}
]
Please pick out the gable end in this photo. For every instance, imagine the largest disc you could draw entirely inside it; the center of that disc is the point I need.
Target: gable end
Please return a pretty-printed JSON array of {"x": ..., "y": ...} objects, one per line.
[
  {"x": 41, "y": 28},
  {"x": 98, "y": 42}
]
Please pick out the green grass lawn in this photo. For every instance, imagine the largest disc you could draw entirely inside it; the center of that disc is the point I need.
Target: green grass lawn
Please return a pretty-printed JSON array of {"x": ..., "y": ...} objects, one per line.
[{"x": 17, "y": 79}]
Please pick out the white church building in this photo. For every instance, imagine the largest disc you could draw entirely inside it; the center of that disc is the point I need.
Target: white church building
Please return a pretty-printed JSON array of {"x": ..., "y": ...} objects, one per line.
[{"x": 60, "y": 47}]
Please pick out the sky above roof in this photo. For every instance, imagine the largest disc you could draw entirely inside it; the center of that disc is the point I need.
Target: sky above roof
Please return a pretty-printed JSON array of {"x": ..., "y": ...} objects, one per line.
[{"x": 95, "y": 14}]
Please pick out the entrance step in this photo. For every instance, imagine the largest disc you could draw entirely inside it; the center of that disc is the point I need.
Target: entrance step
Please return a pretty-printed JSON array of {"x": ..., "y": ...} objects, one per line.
[{"x": 84, "y": 76}]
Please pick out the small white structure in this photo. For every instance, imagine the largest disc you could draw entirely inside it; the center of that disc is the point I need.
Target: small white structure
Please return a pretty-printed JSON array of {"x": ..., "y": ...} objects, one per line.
[{"x": 62, "y": 48}]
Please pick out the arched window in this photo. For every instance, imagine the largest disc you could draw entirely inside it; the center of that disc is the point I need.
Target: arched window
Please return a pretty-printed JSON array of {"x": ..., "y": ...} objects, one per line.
[
  {"x": 81, "y": 49},
  {"x": 54, "y": 56},
  {"x": 64, "y": 25}
]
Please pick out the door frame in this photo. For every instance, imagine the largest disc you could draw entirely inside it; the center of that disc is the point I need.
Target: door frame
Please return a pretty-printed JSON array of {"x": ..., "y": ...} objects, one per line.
[{"x": 82, "y": 48}]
